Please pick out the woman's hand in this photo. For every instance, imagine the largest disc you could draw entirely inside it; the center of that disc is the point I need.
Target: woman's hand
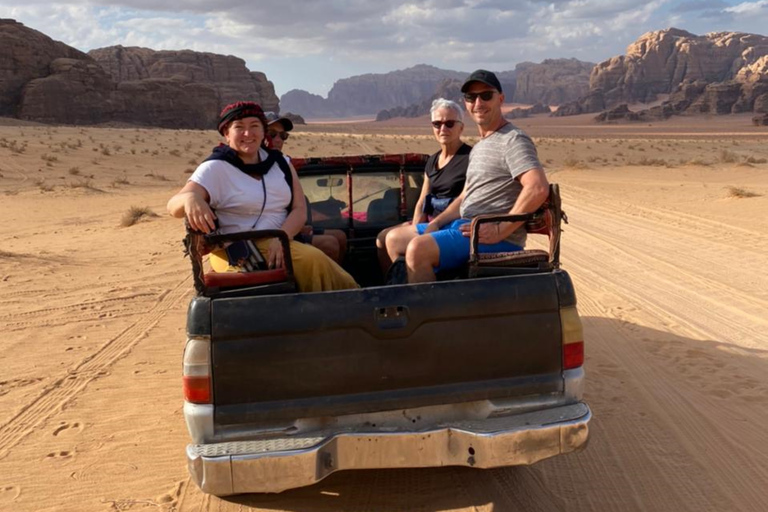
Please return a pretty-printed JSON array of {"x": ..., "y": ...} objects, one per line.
[
  {"x": 275, "y": 254},
  {"x": 199, "y": 214},
  {"x": 432, "y": 227}
]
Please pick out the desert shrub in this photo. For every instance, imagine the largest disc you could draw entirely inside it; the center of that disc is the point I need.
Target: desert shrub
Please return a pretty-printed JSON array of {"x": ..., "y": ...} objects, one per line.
[
  {"x": 740, "y": 193},
  {"x": 135, "y": 214},
  {"x": 699, "y": 161},
  {"x": 656, "y": 162},
  {"x": 86, "y": 184},
  {"x": 174, "y": 152},
  {"x": 49, "y": 158},
  {"x": 43, "y": 186},
  {"x": 753, "y": 160},
  {"x": 157, "y": 176},
  {"x": 74, "y": 171},
  {"x": 574, "y": 163},
  {"x": 120, "y": 181},
  {"x": 728, "y": 157}
]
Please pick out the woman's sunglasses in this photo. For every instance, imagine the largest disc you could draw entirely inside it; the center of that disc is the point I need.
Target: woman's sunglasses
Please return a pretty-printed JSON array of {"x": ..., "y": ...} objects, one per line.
[
  {"x": 471, "y": 97},
  {"x": 448, "y": 124},
  {"x": 273, "y": 135}
]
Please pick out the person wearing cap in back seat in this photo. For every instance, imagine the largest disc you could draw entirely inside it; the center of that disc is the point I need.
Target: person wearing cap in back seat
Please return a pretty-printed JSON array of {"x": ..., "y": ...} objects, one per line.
[
  {"x": 504, "y": 176},
  {"x": 333, "y": 242},
  {"x": 252, "y": 188}
]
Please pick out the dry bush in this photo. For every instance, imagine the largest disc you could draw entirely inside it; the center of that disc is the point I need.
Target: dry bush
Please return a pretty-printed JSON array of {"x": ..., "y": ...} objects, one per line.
[
  {"x": 699, "y": 161},
  {"x": 574, "y": 163},
  {"x": 74, "y": 171},
  {"x": 740, "y": 193},
  {"x": 135, "y": 214},
  {"x": 86, "y": 184},
  {"x": 49, "y": 158},
  {"x": 157, "y": 176},
  {"x": 753, "y": 160},
  {"x": 42, "y": 185},
  {"x": 123, "y": 180},
  {"x": 655, "y": 162},
  {"x": 728, "y": 157}
]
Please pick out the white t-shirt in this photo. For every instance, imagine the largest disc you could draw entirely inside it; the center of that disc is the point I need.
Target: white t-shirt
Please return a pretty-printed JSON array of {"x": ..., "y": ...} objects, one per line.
[{"x": 237, "y": 198}]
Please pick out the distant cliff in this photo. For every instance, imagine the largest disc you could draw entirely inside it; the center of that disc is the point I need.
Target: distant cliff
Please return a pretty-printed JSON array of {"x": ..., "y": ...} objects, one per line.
[
  {"x": 47, "y": 81},
  {"x": 370, "y": 93},
  {"x": 729, "y": 68},
  {"x": 553, "y": 82}
]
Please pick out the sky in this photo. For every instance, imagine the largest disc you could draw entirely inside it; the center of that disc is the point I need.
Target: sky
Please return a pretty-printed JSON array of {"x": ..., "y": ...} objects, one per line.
[{"x": 309, "y": 44}]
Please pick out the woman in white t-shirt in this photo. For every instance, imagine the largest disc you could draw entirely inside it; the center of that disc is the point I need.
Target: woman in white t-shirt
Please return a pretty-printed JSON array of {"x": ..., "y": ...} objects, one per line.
[{"x": 249, "y": 189}]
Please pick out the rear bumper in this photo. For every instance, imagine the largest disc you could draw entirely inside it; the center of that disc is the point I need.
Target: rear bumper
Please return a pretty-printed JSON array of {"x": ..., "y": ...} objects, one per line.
[{"x": 277, "y": 464}]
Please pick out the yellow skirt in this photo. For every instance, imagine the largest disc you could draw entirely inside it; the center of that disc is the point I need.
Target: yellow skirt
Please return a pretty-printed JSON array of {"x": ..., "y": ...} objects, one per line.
[{"x": 314, "y": 271}]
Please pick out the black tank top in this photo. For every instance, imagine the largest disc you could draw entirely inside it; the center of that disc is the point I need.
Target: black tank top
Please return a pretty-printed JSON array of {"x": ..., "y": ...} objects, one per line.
[{"x": 448, "y": 182}]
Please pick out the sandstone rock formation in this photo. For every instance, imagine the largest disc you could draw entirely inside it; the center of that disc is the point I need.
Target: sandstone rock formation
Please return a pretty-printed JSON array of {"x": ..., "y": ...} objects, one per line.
[
  {"x": 368, "y": 94},
  {"x": 719, "y": 73},
  {"x": 225, "y": 74},
  {"x": 26, "y": 54},
  {"x": 47, "y": 81},
  {"x": 538, "y": 108},
  {"x": 658, "y": 61},
  {"x": 553, "y": 82},
  {"x": 448, "y": 89},
  {"x": 593, "y": 102}
]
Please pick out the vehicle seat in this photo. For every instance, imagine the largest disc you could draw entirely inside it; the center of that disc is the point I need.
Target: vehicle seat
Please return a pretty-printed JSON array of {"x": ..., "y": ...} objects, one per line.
[
  {"x": 386, "y": 209},
  {"x": 258, "y": 282},
  {"x": 545, "y": 221}
]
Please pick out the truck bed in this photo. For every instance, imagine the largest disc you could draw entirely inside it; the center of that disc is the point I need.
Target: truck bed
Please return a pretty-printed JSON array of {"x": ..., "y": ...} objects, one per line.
[{"x": 383, "y": 348}]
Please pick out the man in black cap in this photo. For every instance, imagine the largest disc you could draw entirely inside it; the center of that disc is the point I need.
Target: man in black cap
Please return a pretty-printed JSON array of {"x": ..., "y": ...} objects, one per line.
[
  {"x": 277, "y": 130},
  {"x": 504, "y": 177}
]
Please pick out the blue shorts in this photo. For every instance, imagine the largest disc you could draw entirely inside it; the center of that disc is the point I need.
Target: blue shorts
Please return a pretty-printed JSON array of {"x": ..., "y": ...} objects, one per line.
[{"x": 454, "y": 246}]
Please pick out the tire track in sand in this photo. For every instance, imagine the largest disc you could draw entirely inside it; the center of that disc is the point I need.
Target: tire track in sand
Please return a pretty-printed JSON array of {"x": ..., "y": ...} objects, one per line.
[{"x": 63, "y": 389}]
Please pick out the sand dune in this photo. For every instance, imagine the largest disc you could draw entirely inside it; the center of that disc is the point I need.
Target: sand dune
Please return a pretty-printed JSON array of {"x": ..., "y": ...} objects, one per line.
[{"x": 667, "y": 245}]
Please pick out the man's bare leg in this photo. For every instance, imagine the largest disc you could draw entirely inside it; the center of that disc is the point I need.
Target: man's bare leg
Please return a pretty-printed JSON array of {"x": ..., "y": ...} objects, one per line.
[{"x": 421, "y": 258}]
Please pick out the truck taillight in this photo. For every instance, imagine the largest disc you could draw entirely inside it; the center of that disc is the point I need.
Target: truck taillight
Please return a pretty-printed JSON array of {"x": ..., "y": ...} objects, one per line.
[
  {"x": 197, "y": 371},
  {"x": 573, "y": 338}
]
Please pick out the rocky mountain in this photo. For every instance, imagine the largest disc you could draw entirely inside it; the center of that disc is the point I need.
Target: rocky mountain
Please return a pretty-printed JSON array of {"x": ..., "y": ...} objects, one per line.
[
  {"x": 26, "y": 55},
  {"x": 559, "y": 79},
  {"x": 47, "y": 81},
  {"x": 449, "y": 89},
  {"x": 367, "y": 94},
  {"x": 226, "y": 74},
  {"x": 308, "y": 104},
  {"x": 729, "y": 68},
  {"x": 553, "y": 82}
]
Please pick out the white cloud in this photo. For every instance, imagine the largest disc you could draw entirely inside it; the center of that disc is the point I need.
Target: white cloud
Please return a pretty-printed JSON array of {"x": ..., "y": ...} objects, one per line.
[
  {"x": 748, "y": 7},
  {"x": 361, "y": 36}
]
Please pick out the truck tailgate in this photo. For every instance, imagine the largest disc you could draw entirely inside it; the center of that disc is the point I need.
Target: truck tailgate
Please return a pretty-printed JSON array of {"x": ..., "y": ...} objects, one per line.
[{"x": 331, "y": 353}]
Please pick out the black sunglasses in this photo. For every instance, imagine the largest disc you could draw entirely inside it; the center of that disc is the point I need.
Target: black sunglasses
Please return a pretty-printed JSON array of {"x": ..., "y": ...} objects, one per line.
[
  {"x": 448, "y": 124},
  {"x": 470, "y": 97},
  {"x": 273, "y": 135}
]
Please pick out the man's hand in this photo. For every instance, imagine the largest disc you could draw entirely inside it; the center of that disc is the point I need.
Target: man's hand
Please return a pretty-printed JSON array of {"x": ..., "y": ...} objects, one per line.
[
  {"x": 275, "y": 254},
  {"x": 490, "y": 232}
]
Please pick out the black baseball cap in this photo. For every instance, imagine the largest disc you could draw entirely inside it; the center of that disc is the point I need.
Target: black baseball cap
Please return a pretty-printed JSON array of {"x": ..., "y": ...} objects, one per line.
[
  {"x": 273, "y": 118},
  {"x": 484, "y": 76}
]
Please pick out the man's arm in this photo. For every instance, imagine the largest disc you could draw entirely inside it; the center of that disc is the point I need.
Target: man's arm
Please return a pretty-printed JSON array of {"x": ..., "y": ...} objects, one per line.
[{"x": 535, "y": 191}]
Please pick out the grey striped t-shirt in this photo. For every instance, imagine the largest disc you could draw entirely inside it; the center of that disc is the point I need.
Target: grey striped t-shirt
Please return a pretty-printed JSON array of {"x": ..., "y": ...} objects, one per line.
[{"x": 494, "y": 163}]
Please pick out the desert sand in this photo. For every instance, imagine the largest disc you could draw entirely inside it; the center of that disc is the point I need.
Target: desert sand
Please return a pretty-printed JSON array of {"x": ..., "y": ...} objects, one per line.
[{"x": 667, "y": 245}]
